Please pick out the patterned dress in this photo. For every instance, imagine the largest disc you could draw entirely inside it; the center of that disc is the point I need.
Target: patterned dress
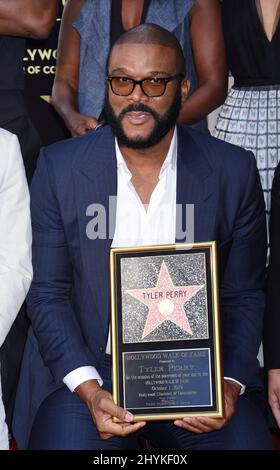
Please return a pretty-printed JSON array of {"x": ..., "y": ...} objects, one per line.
[{"x": 250, "y": 116}]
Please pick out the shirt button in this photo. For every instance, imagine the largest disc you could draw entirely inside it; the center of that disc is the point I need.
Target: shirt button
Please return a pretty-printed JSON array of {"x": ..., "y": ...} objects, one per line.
[{"x": 101, "y": 349}]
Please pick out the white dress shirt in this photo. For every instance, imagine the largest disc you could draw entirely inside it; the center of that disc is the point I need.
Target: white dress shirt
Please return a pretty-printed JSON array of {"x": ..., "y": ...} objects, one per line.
[
  {"x": 135, "y": 226},
  {"x": 15, "y": 243}
]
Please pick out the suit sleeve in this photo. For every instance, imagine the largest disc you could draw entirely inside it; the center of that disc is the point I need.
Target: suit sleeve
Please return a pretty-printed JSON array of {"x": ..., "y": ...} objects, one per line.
[
  {"x": 55, "y": 325},
  {"x": 242, "y": 287},
  {"x": 15, "y": 234}
]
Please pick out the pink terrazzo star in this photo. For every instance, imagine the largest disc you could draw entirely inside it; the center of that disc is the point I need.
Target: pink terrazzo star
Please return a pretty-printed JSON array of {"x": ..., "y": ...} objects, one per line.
[{"x": 165, "y": 302}]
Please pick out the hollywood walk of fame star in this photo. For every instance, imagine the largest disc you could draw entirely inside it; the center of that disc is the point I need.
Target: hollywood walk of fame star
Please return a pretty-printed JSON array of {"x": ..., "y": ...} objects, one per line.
[{"x": 165, "y": 302}]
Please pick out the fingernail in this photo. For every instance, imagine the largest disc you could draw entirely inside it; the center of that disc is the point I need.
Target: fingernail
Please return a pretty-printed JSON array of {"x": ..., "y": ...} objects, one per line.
[
  {"x": 143, "y": 423},
  {"x": 128, "y": 416},
  {"x": 177, "y": 423},
  {"x": 188, "y": 420}
]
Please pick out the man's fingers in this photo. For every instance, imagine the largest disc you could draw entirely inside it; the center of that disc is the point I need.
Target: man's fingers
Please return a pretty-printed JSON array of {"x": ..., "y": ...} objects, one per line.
[
  {"x": 212, "y": 424},
  {"x": 107, "y": 405},
  {"x": 276, "y": 414},
  {"x": 188, "y": 426},
  {"x": 119, "y": 429},
  {"x": 104, "y": 410},
  {"x": 200, "y": 425},
  {"x": 275, "y": 407},
  {"x": 105, "y": 435}
]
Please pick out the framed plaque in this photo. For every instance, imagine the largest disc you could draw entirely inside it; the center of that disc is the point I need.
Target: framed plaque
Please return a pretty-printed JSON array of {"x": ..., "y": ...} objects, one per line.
[{"x": 165, "y": 329}]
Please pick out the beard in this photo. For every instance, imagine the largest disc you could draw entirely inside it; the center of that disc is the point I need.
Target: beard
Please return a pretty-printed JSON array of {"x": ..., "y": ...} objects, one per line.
[{"x": 163, "y": 123}]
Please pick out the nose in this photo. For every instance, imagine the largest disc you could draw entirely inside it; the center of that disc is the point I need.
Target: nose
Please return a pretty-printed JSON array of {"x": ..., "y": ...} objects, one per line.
[{"x": 138, "y": 95}]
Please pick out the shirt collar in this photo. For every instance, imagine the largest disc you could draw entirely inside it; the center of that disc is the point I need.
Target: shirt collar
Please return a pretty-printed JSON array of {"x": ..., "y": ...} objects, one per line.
[{"x": 170, "y": 160}]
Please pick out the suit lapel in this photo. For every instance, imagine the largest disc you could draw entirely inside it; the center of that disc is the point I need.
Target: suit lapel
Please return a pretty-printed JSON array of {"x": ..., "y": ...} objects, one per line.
[
  {"x": 195, "y": 186},
  {"x": 96, "y": 180}
]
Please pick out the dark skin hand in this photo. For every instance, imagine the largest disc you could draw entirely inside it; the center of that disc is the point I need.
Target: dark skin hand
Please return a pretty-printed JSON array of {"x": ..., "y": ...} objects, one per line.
[
  {"x": 28, "y": 18},
  {"x": 102, "y": 408},
  {"x": 274, "y": 393},
  {"x": 66, "y": 83},
  {"x": 204, "y": 424},
  {"x": 209, "y": 58}
]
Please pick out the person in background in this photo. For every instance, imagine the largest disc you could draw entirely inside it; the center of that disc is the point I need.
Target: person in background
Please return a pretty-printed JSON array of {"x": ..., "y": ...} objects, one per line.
[
  {"x": 250, "y": 115},
  {"x": 19, "y": 20},
  {"x": 272, "y": 317},
  {"x": 88, "y": 31},
  {"x": 15, "y": 244},
  {"x": 149, "y": 165}
]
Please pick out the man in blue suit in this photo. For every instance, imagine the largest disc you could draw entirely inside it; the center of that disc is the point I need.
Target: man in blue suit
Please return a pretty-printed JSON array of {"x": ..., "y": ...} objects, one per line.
[{"x": 149, "y": 163}]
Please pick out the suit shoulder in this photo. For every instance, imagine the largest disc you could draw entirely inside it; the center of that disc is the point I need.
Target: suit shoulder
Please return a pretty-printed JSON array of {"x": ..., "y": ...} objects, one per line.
[
  {"x": 62, "y": 156},
  {"x": 221, "y": 154},
  {"x": 64, "y": 152}
]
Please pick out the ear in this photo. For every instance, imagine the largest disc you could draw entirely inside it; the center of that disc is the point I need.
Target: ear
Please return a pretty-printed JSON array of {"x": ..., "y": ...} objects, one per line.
[{"x": 185, "y": 88}]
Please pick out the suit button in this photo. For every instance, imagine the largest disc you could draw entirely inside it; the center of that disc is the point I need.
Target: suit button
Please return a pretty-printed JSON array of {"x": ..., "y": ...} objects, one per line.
[{"x": 101, "y": 349}]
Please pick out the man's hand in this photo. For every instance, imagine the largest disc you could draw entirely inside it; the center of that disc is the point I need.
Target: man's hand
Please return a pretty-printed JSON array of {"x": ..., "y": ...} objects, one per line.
[
  {"x": 203, "y": 424},
  {"x": 274, "y": 393},
  {"x": 103, "y": 409}
]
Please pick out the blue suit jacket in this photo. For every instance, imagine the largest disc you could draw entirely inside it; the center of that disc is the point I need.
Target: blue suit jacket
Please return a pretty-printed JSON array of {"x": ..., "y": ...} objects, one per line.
[{"x": 69, "y": 299}]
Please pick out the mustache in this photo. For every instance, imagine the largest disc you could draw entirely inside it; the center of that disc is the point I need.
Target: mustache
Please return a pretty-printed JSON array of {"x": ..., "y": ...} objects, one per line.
[{"x": 137, "y": 107}]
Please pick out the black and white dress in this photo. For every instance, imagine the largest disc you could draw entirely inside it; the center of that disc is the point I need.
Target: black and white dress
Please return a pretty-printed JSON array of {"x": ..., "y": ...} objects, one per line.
[{"x": 250, "y": 116}]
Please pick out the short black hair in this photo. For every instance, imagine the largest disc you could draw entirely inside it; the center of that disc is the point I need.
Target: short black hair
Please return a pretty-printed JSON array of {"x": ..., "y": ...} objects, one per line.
[{"x": 149, "y": 33}]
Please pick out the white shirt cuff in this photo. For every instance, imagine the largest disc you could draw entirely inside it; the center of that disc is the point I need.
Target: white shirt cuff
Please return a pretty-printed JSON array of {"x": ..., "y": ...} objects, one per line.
[
  {"x": 77, "y": 376},
  {"x": 243, "y": 387}
]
